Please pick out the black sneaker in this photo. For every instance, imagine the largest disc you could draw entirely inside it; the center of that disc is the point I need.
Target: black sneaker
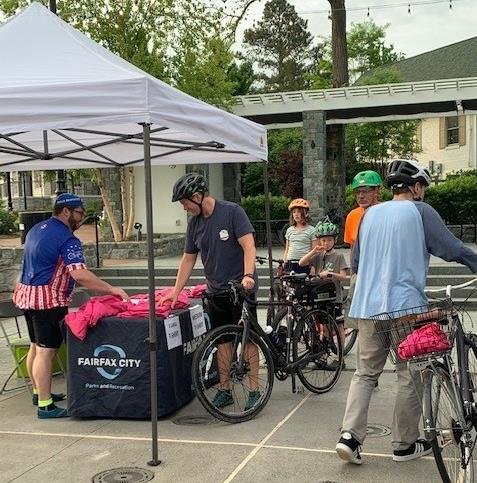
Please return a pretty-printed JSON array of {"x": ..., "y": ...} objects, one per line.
[
  {"x": 348, "y": 449},
  {"x": 420, "y": 448}
]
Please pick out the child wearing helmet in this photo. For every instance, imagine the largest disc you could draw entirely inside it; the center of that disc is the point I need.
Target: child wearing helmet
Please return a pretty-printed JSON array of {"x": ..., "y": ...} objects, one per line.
[
  {"x": 327, "y": 262},
  {"x": 366, "y": 186},
  {"x": 300, "y": 236}
]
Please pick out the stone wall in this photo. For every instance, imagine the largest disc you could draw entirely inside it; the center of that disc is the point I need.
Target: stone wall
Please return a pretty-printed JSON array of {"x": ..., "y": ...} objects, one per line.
[{"x": 168, "y": 245}]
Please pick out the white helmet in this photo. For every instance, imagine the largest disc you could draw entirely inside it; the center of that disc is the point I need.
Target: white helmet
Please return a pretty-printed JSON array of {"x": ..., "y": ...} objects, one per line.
[{"x": 407, "y": 172}]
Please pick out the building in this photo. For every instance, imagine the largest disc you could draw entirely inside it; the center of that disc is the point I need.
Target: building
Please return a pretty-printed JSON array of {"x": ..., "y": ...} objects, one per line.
[{"x": 448, "y": 144}]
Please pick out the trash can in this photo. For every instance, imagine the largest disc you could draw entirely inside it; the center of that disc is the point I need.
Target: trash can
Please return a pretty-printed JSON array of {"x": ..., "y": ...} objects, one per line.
[{"x": 28, "y": 219}]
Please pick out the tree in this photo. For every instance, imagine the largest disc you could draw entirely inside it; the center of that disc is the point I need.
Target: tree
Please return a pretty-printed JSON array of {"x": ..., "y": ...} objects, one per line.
[
  {"x": 367, "y": 49},
  {"x": 182, "y": 42},
  {"x": 281, "y": 46},
  {"x": 285, "y": 154},
  {"x": 243, "y": 76},
  {"x": 372, "y": 144}
]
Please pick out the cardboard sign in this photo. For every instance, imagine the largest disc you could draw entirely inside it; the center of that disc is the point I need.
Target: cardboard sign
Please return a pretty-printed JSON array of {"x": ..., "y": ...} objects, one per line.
[
  {"x": 172, "y": 327},
  {"x": 197, "y": 320}
]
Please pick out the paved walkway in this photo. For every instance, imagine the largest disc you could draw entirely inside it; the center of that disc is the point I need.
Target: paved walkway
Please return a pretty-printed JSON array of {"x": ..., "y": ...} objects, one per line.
[{"x": 292, "y": 439}]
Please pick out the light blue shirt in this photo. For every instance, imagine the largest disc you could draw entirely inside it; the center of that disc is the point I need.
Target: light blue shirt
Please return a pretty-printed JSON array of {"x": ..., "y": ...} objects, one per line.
[{"x": 393, "y": 260}]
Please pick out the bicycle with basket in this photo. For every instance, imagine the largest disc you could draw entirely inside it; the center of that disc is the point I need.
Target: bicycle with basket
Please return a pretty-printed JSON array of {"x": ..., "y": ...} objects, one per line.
[{"x": 431, "y": 339}]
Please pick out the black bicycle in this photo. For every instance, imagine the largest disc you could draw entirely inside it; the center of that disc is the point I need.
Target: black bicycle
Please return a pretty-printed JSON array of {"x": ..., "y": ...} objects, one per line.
[
  {"x": 431, "y": 339},
  {"x": 241, "y": 360}
]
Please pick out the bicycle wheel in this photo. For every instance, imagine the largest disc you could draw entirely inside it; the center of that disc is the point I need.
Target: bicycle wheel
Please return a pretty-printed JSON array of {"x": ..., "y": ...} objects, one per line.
[
  {"x": 350, "y": 338},
  {"x": 444, "y": 426},
  {"x": 280, "y": 318},
  {"x": 312, "y": 343},
  {"x": 216, "y": 367}
]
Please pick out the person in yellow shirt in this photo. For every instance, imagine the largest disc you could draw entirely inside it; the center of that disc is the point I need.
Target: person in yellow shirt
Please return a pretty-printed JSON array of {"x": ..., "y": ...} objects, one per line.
[{"x": 366, "y": 187}]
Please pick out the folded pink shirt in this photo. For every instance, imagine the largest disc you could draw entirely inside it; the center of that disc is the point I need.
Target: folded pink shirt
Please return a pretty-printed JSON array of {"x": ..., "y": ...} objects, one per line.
[
  {"x": 96, "y": 308},
  {"x": 426, "y": 339}
]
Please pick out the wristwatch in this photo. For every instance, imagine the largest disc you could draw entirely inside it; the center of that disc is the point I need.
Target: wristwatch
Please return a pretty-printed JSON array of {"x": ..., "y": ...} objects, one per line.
[{"x": 249, "y": 275}]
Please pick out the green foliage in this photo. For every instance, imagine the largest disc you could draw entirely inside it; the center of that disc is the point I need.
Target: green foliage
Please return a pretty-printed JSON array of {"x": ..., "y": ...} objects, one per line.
[
  {"x": 285, "y": 169},
  {"x": 8, "y": 221},
  {"x": 243, "y": 76},
  {"x": 366, "y": 50},
  {"x": 254, "y": 206},
  {"x": 455, "y": 199},
  {"x": 92, "y": 208},
  {"x": 281, "y": 46}
]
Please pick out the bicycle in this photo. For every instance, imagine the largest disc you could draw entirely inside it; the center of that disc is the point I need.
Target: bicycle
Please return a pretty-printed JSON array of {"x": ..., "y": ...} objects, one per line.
[
  {"x": 300, "y": 351},
  {"x": 447, "y": 363},
  {"x": 350, "y": 333}
]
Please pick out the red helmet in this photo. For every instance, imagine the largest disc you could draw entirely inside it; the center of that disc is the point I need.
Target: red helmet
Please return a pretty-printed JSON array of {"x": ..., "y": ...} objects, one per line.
[{"x": 299, "y": 203}]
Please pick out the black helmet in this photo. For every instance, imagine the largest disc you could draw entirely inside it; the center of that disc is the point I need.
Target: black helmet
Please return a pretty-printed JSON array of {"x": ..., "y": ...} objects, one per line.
[
  {"x": 189, "y": 184},
  {"x": 407, "y": 172}
]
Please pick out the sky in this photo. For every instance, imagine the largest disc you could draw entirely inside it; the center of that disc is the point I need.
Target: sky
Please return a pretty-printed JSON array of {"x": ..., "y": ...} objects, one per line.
[{"x": 428, "y": 27}]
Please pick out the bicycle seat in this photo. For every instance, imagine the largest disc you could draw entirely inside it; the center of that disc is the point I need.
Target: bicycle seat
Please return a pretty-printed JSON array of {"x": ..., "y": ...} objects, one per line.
[{"x": 295, "y": 277}]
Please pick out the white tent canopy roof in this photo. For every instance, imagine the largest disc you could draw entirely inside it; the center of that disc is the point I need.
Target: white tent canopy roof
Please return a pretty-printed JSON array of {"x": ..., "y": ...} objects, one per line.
[{"x": 61, "y": 93}]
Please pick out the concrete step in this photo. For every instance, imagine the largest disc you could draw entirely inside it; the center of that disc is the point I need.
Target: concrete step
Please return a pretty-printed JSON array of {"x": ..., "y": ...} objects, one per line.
[{"x": 445, "y": 270}]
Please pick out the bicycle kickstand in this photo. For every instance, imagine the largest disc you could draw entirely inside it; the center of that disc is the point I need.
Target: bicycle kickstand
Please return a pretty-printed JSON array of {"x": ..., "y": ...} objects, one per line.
[{"x": 296, "y": 389}]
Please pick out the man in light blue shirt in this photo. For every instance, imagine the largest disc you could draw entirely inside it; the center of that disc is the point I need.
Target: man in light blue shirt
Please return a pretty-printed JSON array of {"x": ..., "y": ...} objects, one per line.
[{"x": 391, "y": 259}]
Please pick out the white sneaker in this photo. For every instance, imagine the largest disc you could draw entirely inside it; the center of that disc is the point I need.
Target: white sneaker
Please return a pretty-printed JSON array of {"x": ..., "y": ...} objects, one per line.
[{"x": 348, "y": 449}]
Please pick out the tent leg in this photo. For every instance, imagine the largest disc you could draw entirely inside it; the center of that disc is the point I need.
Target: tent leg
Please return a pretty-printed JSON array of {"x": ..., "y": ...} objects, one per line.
[
  {"x": 155, "y": 461},
  {"x": 268, "y": 227}
]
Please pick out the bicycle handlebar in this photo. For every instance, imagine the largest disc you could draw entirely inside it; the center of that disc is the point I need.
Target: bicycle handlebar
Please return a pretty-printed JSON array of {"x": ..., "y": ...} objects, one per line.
[
  {"x": 262, "y": 260},
  {"x": 449, "y": 288}
]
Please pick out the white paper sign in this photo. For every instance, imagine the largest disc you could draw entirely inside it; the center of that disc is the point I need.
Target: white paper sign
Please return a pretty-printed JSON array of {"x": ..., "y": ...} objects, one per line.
[
  {"x": 197, "y": 320},
  {"x": 172, "y": 326}
]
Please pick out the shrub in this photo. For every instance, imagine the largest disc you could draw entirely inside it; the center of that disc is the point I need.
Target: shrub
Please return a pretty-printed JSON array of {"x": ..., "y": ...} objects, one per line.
[
  {"x": 455, "y": 199},
  {"x": 8, "y": 221},
  {"x": 254, "y": 206},
  {"x": 92, "y": 208}
]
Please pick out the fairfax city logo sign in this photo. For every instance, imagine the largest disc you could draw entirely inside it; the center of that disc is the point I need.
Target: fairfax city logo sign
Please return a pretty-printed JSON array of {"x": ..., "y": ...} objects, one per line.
[{"x": 109, "y": 367}]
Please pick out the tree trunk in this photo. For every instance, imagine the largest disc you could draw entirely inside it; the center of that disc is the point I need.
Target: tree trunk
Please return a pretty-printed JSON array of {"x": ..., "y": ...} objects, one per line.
[
  {"x": 335, "y": 152},
  {"x": 339, "y": 50},
  {"x": 107, "y": 206},
  {"x": 132, "y": 202}
]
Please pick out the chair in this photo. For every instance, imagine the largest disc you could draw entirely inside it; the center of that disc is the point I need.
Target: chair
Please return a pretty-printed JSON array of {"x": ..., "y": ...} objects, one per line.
[{"x": 9, "y": 311}]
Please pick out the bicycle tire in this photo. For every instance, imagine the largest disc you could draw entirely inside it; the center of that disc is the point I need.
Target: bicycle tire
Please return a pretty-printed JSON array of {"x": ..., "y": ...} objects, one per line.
[
  {"x": 350, "y": 339},
  {"x": 317, "y": 375},
  {"x": 205, "y": 390},
  {"x": 443, "y": 417}
]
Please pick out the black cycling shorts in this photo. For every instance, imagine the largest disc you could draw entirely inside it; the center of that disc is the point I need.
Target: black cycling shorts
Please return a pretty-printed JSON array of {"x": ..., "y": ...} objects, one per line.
[
  {"x": 222, "y": 311},
  {"x": 44, "y": 326}
]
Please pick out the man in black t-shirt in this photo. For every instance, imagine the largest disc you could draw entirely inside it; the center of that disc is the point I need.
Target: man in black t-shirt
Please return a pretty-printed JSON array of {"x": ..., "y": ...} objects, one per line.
[{"x": 223, "y": 234}]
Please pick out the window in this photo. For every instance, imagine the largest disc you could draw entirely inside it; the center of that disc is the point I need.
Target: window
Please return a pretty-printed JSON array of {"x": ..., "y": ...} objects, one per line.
[
  {"x": 452, "y": 127},
  {"x": 452, "y": 131}
]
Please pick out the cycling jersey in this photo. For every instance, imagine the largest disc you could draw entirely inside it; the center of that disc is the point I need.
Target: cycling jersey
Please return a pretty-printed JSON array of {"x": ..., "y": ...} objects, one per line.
[{"x": 51, "y": 252}]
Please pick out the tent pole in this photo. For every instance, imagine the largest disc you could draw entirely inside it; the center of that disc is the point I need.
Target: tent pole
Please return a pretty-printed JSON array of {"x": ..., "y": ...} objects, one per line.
[
  {"x": 151, "y": 286},
  {"x": 268, "y": 228}
]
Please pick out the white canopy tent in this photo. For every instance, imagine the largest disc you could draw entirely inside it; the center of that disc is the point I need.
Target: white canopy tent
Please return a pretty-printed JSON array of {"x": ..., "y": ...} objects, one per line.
[{"x": 66, "y": 102}]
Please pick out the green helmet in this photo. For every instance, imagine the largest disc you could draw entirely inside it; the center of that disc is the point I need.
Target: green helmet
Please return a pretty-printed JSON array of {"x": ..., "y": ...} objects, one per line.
[
  {"x": 326, "y": 229},
  {"x": 366, "y": 178}
]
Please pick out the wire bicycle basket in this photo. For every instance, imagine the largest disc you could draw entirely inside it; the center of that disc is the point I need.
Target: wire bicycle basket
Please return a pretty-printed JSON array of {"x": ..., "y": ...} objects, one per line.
[{"x": 416, "y": 333}]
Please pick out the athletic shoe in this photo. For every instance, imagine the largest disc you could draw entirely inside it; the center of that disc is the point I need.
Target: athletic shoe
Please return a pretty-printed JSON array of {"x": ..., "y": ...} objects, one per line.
[
  {"x": 55, "y": 412},
  {"x": 253, "y": 397},
  {"x": 420, "y": 448},
  {"x": 56, "y": 397},
  {"x": 223, "y": 398},
  {"x": 348, "y": 449}
]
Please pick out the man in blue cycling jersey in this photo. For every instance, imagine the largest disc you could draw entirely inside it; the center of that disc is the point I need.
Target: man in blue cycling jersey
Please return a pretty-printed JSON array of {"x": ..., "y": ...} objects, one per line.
[
  {"x": 53, "y": 262},
  {"x": 394, "y": 244}
]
